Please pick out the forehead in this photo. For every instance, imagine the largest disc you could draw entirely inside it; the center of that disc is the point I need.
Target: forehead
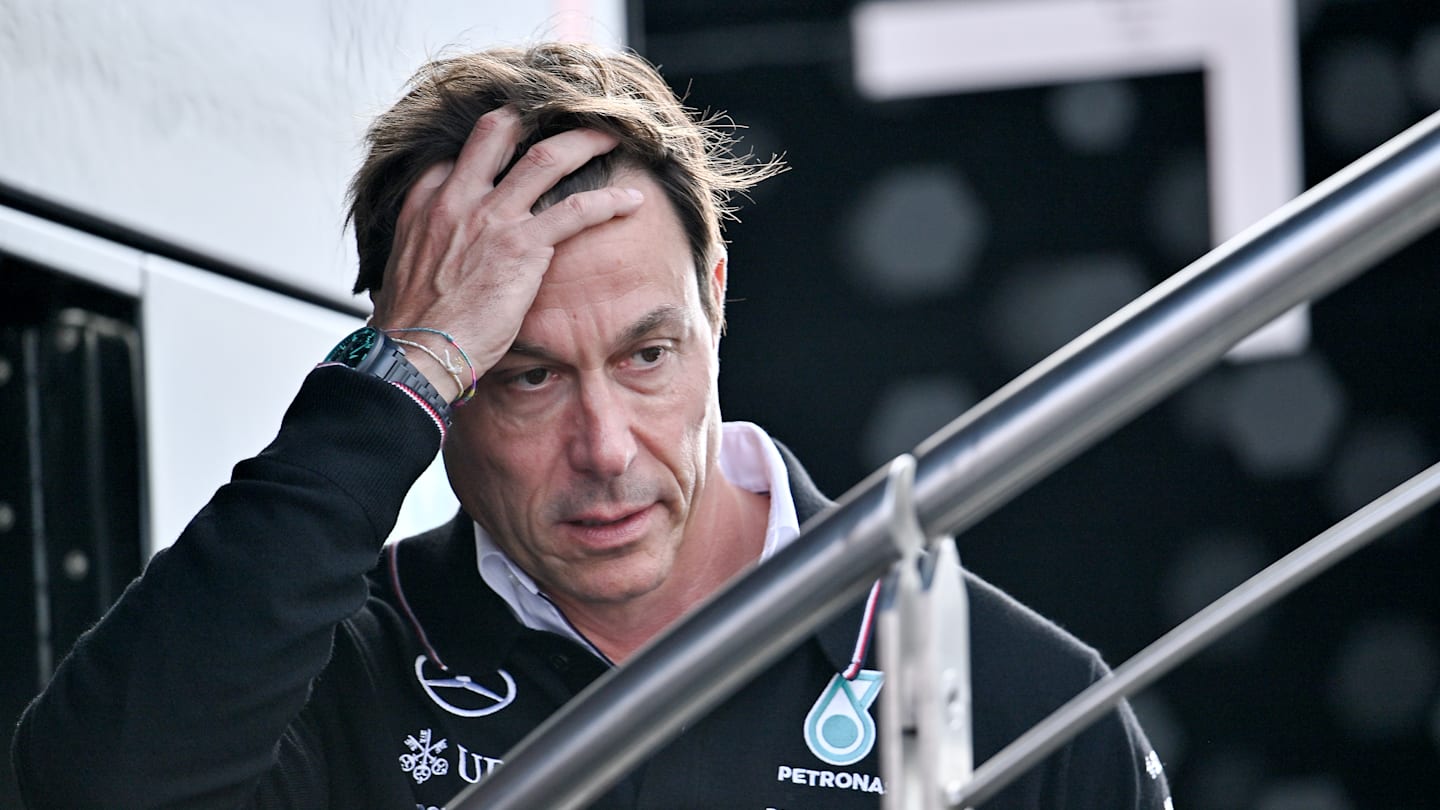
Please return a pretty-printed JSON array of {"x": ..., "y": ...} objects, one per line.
[{"x": 645, "y": 251}]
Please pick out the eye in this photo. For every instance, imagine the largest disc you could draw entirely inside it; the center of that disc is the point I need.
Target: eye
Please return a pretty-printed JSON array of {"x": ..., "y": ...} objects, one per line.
[
  {"x": 649, "y": 356},
  {"x": 529, "y": 378}
]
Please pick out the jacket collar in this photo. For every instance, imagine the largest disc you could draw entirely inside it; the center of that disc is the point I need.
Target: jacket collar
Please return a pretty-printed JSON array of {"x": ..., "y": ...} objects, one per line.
[
  {"x": 433, "y": 580},
  {"x": 838, "y": 638}
]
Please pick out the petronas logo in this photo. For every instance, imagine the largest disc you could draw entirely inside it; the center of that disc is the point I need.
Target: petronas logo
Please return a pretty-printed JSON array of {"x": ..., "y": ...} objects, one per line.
[{"x": 839, "y": 728}]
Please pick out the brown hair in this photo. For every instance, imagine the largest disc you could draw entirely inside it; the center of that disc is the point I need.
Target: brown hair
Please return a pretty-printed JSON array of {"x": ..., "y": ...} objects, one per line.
[{"x": 554, "y": 87}]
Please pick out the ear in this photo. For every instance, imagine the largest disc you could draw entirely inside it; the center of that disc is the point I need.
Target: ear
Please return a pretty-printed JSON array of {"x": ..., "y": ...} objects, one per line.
[{"x": 719, "y": 276}]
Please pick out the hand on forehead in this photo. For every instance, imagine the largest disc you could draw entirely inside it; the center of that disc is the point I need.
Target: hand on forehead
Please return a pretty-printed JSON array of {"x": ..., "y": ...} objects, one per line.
[{"x": 469, "y": 255}]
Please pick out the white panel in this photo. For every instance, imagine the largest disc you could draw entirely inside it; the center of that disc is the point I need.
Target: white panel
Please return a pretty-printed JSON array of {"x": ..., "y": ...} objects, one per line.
[
  {"x": 232, "y": 128},
  {"x": 1247, "y": 49},
  {"x": 77, "y": 254},
  {"x": 223, "y": 359},
  {"x": 920, "y": 47},
  {"x": 1253, "y": 84},
  {"x": 601, "y": 21}
]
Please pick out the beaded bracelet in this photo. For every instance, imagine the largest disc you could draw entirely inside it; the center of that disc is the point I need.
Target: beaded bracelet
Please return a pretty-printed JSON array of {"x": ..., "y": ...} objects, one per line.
[{"x": 465, "y": 393}]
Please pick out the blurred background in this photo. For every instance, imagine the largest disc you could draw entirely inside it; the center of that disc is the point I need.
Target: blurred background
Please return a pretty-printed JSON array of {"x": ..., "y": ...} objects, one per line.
[{"x": 972, "y": 184}]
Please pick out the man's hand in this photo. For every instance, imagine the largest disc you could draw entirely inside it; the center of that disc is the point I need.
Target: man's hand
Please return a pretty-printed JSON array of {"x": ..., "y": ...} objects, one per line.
[{"x": 469, "y": 256}]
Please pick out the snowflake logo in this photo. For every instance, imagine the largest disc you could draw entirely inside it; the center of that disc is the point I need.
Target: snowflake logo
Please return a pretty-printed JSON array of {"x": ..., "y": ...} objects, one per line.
[
  {"x": 1152, "y": 765},
  {"x": 424, "y": 759}
]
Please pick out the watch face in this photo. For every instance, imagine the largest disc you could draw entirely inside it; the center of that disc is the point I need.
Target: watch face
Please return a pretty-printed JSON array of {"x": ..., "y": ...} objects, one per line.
[{"x": 355, "y": 347}]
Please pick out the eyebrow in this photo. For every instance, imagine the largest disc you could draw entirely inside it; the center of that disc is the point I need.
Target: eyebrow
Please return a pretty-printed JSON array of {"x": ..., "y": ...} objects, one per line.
[
  {"x": 656, "y": 319},
  {"x": 653, "y": 321}
]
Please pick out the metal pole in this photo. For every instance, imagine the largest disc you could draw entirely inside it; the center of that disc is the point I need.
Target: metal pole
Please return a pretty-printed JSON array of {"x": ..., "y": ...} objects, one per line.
[
  {"x": 1197, "y": 632},
  {"x": 975, "y": 465}
]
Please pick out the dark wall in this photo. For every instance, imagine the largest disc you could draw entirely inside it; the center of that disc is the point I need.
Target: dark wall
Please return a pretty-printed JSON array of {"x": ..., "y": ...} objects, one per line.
[{"x": 70, "y": 474}]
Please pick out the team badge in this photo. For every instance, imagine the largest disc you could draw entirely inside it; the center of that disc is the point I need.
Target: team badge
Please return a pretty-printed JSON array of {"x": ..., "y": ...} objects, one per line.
[
  {"x": 464, "y": 696},
  {"x": 839, "y": 729}
]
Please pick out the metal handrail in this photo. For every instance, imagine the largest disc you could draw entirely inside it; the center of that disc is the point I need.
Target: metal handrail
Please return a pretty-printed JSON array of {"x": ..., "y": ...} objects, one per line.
[
  {"x": 975, "y": 465},
  {"x": 1195, "y": 633}
]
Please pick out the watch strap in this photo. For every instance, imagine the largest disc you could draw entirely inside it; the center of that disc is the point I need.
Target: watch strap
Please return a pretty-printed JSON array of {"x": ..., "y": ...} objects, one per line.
[{"x": 386, "y": 360}]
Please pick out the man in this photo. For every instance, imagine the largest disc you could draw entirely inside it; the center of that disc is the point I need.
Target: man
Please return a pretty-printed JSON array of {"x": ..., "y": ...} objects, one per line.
[{"x": 540, "y": 233}]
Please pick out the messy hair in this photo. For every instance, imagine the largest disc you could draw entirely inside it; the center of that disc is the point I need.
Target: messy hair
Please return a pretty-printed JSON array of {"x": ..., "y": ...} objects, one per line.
[{"x": 555, "y": 87}]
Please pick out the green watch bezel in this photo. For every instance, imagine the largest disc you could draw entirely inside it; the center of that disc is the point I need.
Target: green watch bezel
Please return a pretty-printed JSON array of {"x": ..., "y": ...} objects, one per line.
[{"x": 370, "y": 351}]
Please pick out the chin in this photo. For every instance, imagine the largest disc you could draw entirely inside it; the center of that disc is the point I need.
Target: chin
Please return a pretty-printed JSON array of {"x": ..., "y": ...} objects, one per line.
[{"x": 618, "y": 587}]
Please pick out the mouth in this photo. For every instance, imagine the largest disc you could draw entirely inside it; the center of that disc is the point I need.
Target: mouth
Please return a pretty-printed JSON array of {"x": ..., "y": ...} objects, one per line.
[
  {"x": 589, "y": 522},
  {"x": 610, "y": 529}
]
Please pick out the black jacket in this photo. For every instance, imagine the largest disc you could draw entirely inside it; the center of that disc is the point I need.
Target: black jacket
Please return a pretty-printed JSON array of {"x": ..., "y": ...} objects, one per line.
[{"x": 266, "y": 660}]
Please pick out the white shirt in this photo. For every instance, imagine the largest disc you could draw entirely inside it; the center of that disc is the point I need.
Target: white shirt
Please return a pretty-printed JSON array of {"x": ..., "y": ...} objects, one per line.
[{"x": 748, "y": 459}]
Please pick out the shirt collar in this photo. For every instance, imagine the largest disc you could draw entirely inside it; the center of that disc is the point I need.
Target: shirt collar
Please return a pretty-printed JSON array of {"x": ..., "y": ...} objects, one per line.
[{"x": 748, "y": 459}]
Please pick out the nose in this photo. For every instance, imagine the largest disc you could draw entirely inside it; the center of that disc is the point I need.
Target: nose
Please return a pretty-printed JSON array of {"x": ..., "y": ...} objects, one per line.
[{"x": 604, "y": 441}]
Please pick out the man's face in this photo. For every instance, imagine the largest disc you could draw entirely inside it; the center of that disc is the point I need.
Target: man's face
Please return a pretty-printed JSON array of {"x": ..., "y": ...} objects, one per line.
[{"x": 587, "y": 449}]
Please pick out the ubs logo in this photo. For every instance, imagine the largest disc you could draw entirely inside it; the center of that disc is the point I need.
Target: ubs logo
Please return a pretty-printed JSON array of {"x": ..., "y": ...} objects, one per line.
[{"x": 462, "y": 695}]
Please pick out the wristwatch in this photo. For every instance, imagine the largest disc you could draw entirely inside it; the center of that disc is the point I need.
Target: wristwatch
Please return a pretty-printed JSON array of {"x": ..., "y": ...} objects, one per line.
[{"x": 369, "y": 351}]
